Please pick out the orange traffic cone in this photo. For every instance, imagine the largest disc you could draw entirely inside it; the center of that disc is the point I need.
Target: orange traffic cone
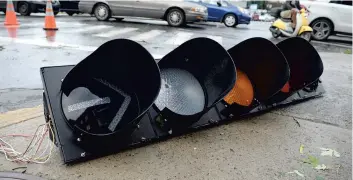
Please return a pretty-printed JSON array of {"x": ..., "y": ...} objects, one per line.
[
  {"x": 10, "y": 18},
  {"x": 50, "y": 23}
]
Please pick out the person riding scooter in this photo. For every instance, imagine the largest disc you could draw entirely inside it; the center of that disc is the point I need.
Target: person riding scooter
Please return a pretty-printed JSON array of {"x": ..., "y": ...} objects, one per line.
[
  {"x": 298, "y": 24},
  {"x": 290, "y": 10}
]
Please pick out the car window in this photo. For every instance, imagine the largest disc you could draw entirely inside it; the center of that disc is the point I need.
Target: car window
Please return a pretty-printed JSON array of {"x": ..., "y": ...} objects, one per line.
[
  {"x": 335, "y": 2},
  {"x": 212, "y": 2},
  {"x": 224, "y": 4},
  {"x": 344, "y": 2},
  {"x": 349, "y": 3}
]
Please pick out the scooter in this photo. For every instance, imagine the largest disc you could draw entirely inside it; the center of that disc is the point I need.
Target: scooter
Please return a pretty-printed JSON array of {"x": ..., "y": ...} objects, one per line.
[{"x": 282, "y": 27}]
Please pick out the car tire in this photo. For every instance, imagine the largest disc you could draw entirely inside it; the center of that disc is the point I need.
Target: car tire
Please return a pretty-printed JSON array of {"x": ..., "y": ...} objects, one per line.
[
  {"x": 102, "y": 12},
  {"x": 230, "y": 20},
  {"x": 24, "y": 8},
  {"x": 56, "y": 13},
  {"x": 322, "y": 29},
  {"x": 175, "y": 18}
]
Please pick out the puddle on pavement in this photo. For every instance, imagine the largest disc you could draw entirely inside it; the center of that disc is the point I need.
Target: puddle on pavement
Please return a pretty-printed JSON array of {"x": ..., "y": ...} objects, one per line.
[
  {"x": 50, "y": 35},
  {"x": 12, "y": 31}
]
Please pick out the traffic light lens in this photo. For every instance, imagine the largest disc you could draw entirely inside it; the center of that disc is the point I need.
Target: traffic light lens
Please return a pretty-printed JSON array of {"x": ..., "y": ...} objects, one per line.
[
  {"x": 99, "y": 108},
  {"x": 242, "y": 92},
  {"x": 286, "y": 88},
  {"x": 180, "y": 92},
  {"x": 305, "y": 62}
]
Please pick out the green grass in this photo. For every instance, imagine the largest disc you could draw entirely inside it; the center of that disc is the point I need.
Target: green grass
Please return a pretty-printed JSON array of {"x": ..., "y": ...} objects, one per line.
[{"x": 348, "y": 51}]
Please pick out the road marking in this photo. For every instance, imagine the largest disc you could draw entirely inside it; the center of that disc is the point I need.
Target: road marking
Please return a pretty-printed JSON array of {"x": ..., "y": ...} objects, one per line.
[
  {"x": 147, "y": 35},
  {"x": 45, "y": 43},
  {"x": 216, "y": 38},
  {"x": 20, "y": 115},
  {"x": 116, "y": 32},
  {"x": 59, "y": 24},
  {"x": 180, "y": 38},
  {"x": 92, "y": 28}
]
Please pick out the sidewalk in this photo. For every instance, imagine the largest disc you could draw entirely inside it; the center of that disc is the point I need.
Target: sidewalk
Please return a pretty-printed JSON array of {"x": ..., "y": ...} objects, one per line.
[{"x": 265, "y": 147}]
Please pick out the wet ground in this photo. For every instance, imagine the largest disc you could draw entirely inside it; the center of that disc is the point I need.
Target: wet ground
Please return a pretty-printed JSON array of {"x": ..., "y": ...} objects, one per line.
[{"x": 25, "y": 49}]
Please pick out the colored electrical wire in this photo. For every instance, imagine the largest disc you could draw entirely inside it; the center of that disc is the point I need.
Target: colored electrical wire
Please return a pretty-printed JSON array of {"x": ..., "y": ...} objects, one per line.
[{"x": 33, "y": 152}]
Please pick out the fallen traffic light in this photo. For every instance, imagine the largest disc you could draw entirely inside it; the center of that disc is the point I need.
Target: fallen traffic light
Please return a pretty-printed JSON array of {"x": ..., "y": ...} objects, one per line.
[{"x": 119, "y": 97}]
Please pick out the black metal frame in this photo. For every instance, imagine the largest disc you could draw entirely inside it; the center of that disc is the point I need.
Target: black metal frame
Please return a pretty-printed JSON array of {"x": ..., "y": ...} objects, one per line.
[{"x": 150, "y": 129}]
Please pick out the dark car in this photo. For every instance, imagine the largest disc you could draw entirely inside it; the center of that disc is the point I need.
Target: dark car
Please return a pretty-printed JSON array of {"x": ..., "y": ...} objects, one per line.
[
  {"x": 70, "y": 7},
  {"x": 25, "y": 8}
]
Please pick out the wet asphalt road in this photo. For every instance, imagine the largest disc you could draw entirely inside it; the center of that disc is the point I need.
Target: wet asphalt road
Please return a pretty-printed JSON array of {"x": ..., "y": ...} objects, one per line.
[{"x": 22, "y": 56}]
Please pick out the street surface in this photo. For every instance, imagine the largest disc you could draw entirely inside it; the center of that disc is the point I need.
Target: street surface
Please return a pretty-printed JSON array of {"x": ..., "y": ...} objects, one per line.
[
  {"x": 78, "y": 36},
  {"x": 265, "y": 147}
]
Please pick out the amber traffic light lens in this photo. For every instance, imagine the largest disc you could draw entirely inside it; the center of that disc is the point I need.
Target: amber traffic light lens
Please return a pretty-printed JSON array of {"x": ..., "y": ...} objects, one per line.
[
  {"x": 286, "y": 88},
  {"x": 242, "y": 92}
]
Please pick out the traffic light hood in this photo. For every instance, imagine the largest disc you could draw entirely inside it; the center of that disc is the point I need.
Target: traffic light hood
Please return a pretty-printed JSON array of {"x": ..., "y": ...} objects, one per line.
[{"x": 110, "y": 88}]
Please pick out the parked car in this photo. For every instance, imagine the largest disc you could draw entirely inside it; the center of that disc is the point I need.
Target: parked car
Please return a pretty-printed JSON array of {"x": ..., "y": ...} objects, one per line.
[
  {"x": 224, "y": 11},
  {"x": 329, "y": 18},
  {"x": 25, "y": 8},
  {"x": 70, "y": 7},
  {"x": 176, "y": 13}
]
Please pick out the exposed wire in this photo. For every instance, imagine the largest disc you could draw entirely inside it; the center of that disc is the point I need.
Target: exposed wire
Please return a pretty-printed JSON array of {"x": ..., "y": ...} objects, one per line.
[{"x": 34, "y": 153}]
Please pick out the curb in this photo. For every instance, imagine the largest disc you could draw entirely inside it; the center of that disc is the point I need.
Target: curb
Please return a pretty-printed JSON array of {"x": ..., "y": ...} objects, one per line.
[
  {"x": 20, "y": 115},
  {"x": 331, "y": 44}
]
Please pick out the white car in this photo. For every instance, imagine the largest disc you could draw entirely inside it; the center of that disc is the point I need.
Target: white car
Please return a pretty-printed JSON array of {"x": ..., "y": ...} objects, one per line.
[{"x": 329, "y": 17}]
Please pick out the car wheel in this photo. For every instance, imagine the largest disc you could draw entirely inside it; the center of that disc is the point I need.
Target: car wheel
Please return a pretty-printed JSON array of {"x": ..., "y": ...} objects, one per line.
[
  {"x": 306, "y": 36},
  {"x": 175, "y": 17},
  {"x": 322, "y": 29},
  {"x": 230, "y": 20},
  {"x": 56, "y": 13},
  {"x": 24, "y": 8},
  {"x": 102, "y": 12}
]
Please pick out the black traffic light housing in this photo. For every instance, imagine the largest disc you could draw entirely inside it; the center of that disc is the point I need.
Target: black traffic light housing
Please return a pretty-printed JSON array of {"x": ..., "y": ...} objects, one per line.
[
  {"x": 305, "y": 66},
  {"x": 195, "y": 76},
  {"x": 266, "y": 68},
  {"x": 95, "y": 92}
]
